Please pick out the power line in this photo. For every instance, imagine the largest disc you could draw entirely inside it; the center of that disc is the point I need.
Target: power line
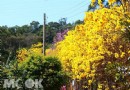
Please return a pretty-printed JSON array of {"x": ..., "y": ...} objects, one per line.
[
  {"x": 77, "y": 9},
  {"x": 80, "y": 8},
  {"x": 74, "y": 8},
  {"x": 76, "y": 14},
  {"x": 73, "y": 14},
  {"x": 76, "y": 5},
  {"x": 71, "y": 11}
]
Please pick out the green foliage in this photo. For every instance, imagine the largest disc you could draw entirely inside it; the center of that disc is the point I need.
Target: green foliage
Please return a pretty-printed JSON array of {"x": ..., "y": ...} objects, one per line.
[
  {"x": 38, "y": 67},
  {"x": 13, "y": 38}
]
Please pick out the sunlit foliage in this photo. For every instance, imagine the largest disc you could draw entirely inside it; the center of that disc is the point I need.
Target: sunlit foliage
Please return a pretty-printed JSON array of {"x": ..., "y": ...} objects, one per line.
[
  {"x": 88, "y": 48},
  {"x": 23, "y": 53}
]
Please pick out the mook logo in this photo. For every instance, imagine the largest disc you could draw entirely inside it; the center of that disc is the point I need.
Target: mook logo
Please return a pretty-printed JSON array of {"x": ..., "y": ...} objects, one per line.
[{"x": 29, "y": 83}]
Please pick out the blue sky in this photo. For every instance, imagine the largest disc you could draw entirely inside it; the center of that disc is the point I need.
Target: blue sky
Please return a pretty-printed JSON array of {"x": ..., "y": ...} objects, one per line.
[{"x": 21, "y": 12}]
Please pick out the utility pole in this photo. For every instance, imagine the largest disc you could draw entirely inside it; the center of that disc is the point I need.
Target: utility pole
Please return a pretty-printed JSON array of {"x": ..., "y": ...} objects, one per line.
[{"x": 44, "y": 27}]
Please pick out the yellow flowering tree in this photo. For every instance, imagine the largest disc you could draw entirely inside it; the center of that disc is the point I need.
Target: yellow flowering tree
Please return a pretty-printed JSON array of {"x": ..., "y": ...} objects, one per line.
[{"x": 88, "y": 49}]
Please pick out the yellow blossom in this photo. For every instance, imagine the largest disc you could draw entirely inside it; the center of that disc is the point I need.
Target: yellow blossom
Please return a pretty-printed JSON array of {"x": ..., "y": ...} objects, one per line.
[
  {"x": 116, "y": 55},
  {"x": 122, "y": 54}
]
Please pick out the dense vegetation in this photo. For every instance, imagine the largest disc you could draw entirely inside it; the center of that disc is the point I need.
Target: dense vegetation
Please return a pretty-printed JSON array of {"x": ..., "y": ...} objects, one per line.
[
  {"x": 95, "y": 54},
  {"x": 32, "y": 64},
  {"x": 14, "y": 38},
  {"x": 21, "y": 53}
]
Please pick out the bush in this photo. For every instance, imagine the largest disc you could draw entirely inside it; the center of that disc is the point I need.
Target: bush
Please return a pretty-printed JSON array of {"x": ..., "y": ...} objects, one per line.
[{"x": 38, "y": 67}]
